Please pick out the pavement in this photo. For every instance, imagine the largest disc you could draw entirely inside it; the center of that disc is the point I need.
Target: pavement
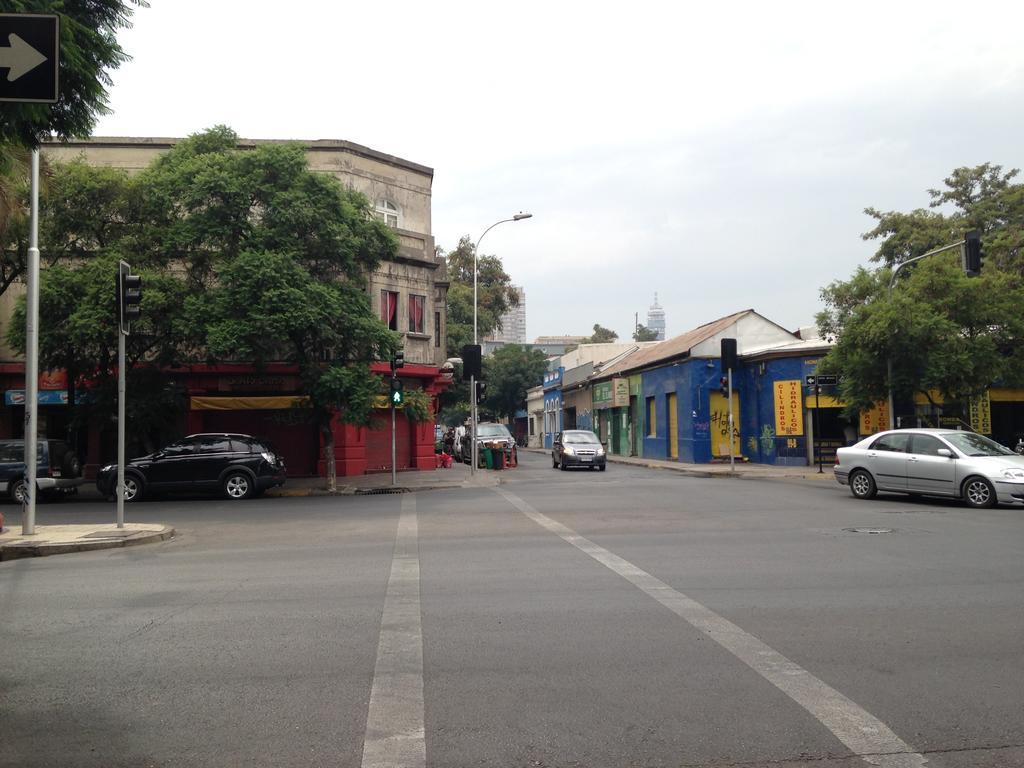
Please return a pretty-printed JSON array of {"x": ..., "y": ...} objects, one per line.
[{"x": 62, "y": 539}]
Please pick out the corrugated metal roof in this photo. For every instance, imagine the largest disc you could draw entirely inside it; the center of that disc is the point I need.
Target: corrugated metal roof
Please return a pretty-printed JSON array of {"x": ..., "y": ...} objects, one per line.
[{"x": 678, "y": 346}]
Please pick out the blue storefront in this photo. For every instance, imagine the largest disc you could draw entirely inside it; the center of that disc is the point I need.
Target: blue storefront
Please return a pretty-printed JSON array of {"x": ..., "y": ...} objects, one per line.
[{"x": 552, "y": 405}]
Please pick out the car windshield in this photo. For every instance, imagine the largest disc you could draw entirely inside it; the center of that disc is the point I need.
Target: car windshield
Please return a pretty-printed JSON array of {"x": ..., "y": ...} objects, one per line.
[
  {"x": 974, "y": 444},
  {"x": 493, "y": 430},
  {"x": 580, "y": 437}
]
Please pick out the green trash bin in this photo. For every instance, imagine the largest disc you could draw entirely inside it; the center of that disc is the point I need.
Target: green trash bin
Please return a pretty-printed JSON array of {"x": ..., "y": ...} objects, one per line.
[{"x": 488, "y": 458}]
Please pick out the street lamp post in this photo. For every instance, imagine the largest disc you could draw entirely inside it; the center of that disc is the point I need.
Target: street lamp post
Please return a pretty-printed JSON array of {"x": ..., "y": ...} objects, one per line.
[{"x": 472, "y": 379}]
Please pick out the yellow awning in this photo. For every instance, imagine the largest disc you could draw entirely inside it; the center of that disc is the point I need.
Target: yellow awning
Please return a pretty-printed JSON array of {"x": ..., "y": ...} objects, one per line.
[{"x": 272, "y": 403}]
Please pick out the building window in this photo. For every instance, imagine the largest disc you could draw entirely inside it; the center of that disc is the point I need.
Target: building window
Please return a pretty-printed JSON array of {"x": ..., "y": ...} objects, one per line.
[
  {"x": 652, "y": 420},
  {"x": 416, "y": 306},
  {"x": 533, "y": 426},
  {"x": 437, "y": 329},
  {"x": 389, "y": 309},
  {"x": 388, "y": 213}
]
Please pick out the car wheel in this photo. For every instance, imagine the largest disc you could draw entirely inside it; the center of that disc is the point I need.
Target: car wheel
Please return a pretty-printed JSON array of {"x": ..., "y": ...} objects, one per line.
[
  {"x": 602, "y": 467},
  {"x": 238, "y": 485},
  {"x": 562, "y": 466},
  {"x": 70, "y": 465},
  {"x": 862, "y": 485},
  {"x": 132, "y": 488},
  {"x": 979, "y": 493},
  {"x": 18, "y": 491}
]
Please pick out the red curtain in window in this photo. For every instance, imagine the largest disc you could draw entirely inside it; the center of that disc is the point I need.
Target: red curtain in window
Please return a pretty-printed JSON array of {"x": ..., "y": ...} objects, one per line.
[
  {"x": 416, "y": 314},
  {"x": 388, "y": 307}
]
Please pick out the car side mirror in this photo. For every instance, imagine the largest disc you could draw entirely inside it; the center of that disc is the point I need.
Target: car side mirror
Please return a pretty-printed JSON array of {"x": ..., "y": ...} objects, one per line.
[{"x": 945, "y": 452}]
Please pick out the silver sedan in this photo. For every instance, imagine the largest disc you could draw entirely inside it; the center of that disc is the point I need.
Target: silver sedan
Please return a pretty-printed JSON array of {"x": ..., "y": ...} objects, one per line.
[{"x": 933, "y": 462}]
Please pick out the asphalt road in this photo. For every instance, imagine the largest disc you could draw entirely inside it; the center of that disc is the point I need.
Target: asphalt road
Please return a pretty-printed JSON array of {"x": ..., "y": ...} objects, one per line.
[{"x": 628, "y": 618}]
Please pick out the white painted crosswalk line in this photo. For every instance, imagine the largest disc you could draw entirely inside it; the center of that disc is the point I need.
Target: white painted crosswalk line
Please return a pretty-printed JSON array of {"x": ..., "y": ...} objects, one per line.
[
  {"x": 394, "y": 723},
  {"x": 862, "y": 733}
]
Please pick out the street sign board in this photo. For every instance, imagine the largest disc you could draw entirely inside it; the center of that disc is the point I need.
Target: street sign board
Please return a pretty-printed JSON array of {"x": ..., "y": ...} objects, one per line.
[
  {"x": 29, "y": 52},
  {"x": 822, "y": 380}
]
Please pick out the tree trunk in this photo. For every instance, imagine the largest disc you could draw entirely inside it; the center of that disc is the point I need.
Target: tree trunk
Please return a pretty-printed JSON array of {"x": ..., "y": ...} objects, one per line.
[{"x": 328, "y": 433}]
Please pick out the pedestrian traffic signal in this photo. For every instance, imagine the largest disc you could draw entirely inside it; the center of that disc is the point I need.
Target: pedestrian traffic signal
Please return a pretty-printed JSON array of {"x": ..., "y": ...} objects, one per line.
[
  {"x": 481, "y": 390},
  {"x": 398, "y": 360},
  {"x": 129, "y": 297},
  {"x": 972, "y": 253},
  {"x": 723, "y": 386},
  {"x": 397, "y": 392}
]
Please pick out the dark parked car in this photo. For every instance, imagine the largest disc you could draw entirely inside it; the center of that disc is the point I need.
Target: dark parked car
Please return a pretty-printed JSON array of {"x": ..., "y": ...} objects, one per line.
[
  {"x": 238, "y": 466},
  {"x": 58, "y": 469},
  {"x": 577, "y": 448}
]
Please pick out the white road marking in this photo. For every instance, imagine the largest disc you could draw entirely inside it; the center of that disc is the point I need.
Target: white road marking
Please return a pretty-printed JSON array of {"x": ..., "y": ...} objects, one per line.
[
  {"x": 864, "y": 734},
  {"x": 394, "y": 723}
]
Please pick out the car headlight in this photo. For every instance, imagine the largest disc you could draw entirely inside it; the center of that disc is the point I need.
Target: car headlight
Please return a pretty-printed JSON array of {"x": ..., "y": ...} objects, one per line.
[
  {"x": 569, "y": 450},
  {"x": 267, "y": 457},
  {"x": 600, "y": 450},
  {"x": 1013, "y": 474},
  {"x": 109, "y": 468}
]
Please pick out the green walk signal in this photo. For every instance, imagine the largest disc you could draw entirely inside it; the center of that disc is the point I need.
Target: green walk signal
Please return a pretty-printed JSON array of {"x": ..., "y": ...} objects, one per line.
[{"x": 397, "y": 392}]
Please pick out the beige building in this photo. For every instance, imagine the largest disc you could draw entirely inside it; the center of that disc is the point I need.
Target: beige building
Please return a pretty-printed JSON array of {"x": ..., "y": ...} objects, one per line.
[{"x": 410, "y": 292}]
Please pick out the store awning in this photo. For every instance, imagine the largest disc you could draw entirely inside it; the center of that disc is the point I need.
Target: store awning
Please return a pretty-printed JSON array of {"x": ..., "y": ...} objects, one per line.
[{"x": 272, "y": 403}]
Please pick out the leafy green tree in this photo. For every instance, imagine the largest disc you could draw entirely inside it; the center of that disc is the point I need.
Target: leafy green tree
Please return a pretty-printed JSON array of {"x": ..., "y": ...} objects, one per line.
[
  {"x": 88, "y": 50},
  {"x": 266, "y": 306},
  {"x": 78, "y": 332},
  {"x": 601, "y": 335},
  {"x": 495, "y": 296},
  {"x": 941, "y": 330},
  {"x": 509, "y": 372},
  {"x": 643, "y": 333}
]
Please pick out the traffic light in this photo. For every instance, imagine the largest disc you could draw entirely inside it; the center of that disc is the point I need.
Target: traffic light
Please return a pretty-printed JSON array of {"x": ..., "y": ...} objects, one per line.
[
  {"x": 723, "y": 386},
  {"x": 728, "y": 354},
  {"x": 129, "y": 297},
  {"x": 471, "y": 361},
  {"x": 972, "y": 253},
  {"x": 398, "y": 360},
  {"x": 397, "y": 392},
  {"x": 481, "y": 390}
]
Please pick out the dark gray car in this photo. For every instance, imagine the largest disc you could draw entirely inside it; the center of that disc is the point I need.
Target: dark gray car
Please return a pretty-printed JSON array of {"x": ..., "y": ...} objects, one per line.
[
  {"x": 58, "y": 469},
  {"x": 933, "y": 462},
  {"x": 577, "y": 448}
]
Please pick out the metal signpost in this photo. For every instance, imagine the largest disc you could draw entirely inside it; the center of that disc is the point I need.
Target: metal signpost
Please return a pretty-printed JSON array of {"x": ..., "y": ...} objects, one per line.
[
  {"x": 397, "y": 397},
  {"x": 129, "y": 298},
  {"x": 819, "y": 381},
  {"x": 29, "y": 51}
]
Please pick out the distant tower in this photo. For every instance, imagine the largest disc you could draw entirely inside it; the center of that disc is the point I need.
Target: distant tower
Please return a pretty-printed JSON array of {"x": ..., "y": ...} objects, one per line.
[{"x": 656, "y": 318}]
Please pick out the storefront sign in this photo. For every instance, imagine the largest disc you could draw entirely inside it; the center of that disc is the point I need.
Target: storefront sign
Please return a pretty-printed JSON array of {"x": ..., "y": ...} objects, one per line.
[
  {"x": 789, "y": 413},
  {"x": 981, "y": 414},
  {"x": 603, "y": 395},
  {"x": 56, "y": 379},
  {"x": 875, "y": 420},
  {"x": 620, "y": 393},
  {"x": 46, "y": 397}
]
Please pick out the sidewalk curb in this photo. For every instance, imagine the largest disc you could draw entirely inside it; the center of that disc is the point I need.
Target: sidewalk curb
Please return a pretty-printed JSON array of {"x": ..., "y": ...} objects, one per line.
[
  {"x": 351, "y": 490},
  {"x": 42, "y": 549}
]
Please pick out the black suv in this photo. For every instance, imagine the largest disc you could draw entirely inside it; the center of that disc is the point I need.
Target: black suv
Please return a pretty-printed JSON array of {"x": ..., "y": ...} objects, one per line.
[
  {"x": 239, "y": 466},
  {"x": 58, "y": 469}
]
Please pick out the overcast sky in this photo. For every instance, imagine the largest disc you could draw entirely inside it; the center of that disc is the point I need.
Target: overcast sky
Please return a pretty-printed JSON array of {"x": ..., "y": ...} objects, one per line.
[{"x": 721, "y": 156}]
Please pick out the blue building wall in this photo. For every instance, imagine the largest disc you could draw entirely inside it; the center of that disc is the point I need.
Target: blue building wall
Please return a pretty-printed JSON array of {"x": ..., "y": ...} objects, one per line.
[{"x": 693, "y": 381}]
